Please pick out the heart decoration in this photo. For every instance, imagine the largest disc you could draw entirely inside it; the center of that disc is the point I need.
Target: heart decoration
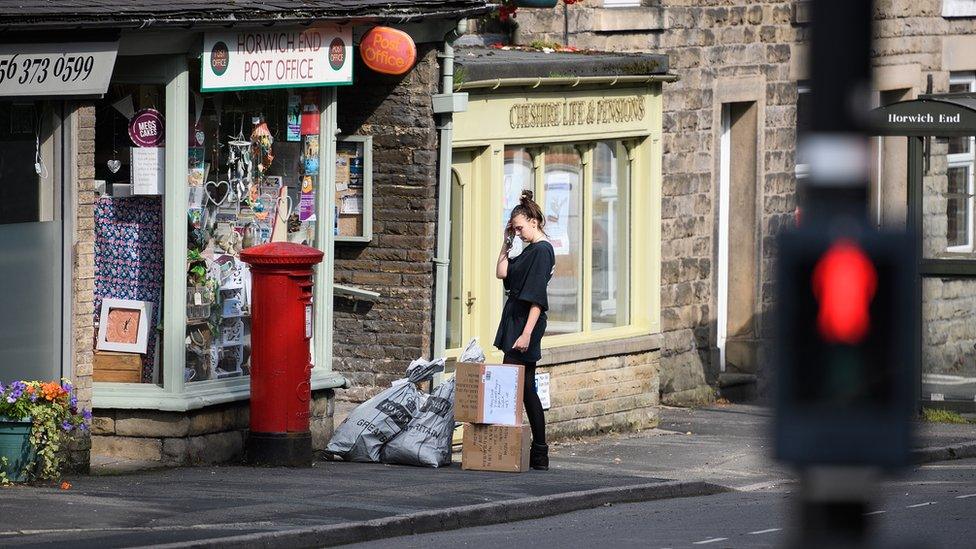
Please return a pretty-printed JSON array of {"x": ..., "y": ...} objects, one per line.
[
  {"x": 114, "y": 165},
  {"x": 217, "y": 192}
]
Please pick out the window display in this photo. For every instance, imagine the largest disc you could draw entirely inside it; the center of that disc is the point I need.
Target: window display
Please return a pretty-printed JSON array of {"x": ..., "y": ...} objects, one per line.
[
  {"x": 129, "y": 256},
  {"x": 253, "y": 175},
  {"x": 354, "y": 188}
]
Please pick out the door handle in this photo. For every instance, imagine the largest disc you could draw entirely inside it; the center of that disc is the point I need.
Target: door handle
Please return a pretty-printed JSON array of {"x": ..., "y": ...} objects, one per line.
[{"x": 470, "y": 302}]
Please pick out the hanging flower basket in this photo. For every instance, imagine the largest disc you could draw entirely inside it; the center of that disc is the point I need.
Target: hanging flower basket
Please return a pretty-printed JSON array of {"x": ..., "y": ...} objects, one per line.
[{"x": 16, "y": 452}]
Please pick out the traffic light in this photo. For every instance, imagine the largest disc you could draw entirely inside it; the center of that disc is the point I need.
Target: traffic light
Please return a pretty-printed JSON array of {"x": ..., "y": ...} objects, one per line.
[{"x": 845, "y": 348}]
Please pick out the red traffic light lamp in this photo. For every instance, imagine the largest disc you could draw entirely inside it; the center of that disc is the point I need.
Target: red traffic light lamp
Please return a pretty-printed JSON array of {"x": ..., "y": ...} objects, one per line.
[{"x": 844, "y": 283}]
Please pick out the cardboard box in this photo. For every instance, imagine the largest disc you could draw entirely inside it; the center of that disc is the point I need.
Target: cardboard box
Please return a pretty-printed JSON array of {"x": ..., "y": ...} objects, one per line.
[
  {"x": 117, "y": 367},
  {"x": 496, "y": 448},
  {"x": 488, "y": 393}
]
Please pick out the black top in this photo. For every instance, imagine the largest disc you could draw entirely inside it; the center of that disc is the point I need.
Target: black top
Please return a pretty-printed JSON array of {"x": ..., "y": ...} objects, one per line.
[{"x": 526, "y": 282}]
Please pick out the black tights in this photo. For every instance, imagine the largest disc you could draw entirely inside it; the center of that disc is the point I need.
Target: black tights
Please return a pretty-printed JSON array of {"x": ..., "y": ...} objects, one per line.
[{"x": 533, "y": 406}]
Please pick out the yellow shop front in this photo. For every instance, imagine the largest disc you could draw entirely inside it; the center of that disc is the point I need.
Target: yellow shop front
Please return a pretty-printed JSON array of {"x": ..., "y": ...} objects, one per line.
[{"x": 589, "y": 147}]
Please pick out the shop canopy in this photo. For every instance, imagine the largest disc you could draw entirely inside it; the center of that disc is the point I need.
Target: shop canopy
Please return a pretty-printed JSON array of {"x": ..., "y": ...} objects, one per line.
[{"x": 90, "y": 14}]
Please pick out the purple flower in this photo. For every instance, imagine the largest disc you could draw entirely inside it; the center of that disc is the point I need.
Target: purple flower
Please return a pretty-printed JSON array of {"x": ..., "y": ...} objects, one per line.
[
  {"x": 33, "y": 397},
  {"x": 86, "y": 414},
  {"x": 73, "y": 402},
  {"x": 66, "y": 425},
  {"x": 2, "y": 388}
]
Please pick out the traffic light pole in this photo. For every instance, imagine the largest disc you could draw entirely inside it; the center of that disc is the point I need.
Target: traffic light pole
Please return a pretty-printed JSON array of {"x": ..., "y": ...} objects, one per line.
[{"x": 834, "y": 499}]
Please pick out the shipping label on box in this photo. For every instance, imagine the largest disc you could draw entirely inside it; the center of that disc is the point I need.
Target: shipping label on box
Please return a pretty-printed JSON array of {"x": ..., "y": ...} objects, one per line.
[
  {"x": 496, "y": 448},
  {"x": 489, "y": 393}
]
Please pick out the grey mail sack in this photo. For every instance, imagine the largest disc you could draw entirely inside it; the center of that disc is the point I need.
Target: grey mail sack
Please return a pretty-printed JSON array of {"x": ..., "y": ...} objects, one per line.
[
  {"x": 427, "y": 439},
  {"x": 376, "y": 421}
]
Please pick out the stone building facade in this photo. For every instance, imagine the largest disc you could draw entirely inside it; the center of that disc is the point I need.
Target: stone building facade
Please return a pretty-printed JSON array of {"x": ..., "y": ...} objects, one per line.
[
  {"x": 736, "y": 54},
  {"x": 731, "y": 55},
  {"x": 376, "y": 340}
]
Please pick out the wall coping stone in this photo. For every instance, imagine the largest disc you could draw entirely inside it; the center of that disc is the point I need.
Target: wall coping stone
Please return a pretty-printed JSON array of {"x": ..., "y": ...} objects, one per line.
[{"x": 600, "y": 349}]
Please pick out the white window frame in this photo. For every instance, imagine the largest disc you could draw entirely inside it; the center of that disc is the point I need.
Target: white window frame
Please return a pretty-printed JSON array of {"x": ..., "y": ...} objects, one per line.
[{"x": 965, "y": 160}]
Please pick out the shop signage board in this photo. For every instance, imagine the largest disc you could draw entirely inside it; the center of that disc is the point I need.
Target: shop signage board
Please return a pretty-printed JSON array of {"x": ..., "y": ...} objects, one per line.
[
  {"x": 545, "y": 115},
  {"x": 388, "y": 51},
  {"x": 42, "y": 70},
  {"x": 297, "y": 57},
  {"x": 146, "y": 128}
]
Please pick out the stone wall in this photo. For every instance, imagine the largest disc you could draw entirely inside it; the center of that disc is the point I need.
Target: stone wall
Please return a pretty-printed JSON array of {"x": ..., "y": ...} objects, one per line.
[
  {"x": 724, "y": 52},
  {"x": 948, "y": 330},
  {"x": 616, "y": 392},
  {"x": 914, "y": 42},
  {"x": 215, "y": 434},
  {"x": 82, "y": 327},
  {"x": 374, "y": 342}
]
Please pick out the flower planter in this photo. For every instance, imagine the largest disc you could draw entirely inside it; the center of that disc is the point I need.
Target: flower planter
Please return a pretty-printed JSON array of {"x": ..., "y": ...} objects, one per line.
[
  {"x": 15, "y": 446},
  {"x": 536, "y": 3}
]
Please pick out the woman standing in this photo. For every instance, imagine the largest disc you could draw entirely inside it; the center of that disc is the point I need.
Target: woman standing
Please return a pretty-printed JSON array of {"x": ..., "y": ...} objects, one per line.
[{"x": 526, "y": 277}]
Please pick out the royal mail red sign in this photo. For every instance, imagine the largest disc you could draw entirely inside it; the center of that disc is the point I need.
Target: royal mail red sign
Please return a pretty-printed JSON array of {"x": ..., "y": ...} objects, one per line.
[{"x": 388, "y": 51}]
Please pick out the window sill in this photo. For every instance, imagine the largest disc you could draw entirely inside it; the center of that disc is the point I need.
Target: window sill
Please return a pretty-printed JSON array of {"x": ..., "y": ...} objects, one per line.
[
  {"x": 624, "y": 345},
  {"x": 133, "y": 396}
]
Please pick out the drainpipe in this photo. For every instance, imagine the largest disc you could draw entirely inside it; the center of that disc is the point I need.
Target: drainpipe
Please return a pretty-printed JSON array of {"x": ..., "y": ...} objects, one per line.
[{"x": 445, "y": 104}]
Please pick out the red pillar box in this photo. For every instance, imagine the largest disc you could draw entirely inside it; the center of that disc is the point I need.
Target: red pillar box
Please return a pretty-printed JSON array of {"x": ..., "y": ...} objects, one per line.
[{"x": 281, "y": 365}]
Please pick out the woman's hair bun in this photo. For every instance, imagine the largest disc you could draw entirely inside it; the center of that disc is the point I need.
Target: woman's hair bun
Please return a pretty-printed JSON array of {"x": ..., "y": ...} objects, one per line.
[{"x": 526, "y": 196}]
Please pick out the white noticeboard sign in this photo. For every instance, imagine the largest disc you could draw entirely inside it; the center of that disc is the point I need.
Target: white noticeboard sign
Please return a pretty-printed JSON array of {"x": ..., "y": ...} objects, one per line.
[
  {"x": 148, "y": 169},
  {"x": 39, "y": 70},
  {"x": 277, "y": 58},
  {"x": 542, "y": 389}
]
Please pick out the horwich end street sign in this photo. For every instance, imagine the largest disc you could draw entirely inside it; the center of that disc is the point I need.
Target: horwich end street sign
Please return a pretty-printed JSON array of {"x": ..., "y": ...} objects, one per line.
[{"x": 299, "y": 57}]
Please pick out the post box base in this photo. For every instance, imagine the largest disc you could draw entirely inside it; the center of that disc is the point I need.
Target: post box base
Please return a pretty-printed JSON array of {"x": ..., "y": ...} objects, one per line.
[{"x": 279, "y": 449}]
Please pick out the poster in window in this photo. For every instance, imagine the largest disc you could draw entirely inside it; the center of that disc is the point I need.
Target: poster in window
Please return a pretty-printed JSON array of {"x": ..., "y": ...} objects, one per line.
[{"x": 559, "y": 189}]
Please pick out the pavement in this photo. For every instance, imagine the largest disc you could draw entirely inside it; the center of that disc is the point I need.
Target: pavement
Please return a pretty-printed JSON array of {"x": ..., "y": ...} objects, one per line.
[{"x": 694, "y": 452}]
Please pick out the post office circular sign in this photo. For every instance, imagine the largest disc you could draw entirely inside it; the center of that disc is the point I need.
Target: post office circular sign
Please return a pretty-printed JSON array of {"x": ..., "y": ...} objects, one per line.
[
  {"x": 388, "y": 51},
  {"x": 147, "y": 128},
  {"x": 276, "y": 58}
]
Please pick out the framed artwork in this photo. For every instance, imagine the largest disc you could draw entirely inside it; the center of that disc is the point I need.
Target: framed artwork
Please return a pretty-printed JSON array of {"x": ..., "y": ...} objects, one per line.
[{"x": 124, "y": 325}]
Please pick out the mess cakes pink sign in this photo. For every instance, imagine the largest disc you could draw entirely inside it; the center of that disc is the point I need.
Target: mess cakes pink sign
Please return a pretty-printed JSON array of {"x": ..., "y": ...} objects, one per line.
[{"x": 146, "y": 128}]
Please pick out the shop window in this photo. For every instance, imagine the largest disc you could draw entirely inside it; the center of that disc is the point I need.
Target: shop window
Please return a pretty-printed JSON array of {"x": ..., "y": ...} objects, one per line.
[
  {"x": 26, "y": 190},
  {"x": 959, "y": 175},
  {"x": 610, "y": 265},
  {"x": 599, "y": 258},
  {"x": 129, "y": 230},
  {"x": 561, "y": 205},
  {"x": 254, "y": 173},
  {"x": 519, "y": 176}
]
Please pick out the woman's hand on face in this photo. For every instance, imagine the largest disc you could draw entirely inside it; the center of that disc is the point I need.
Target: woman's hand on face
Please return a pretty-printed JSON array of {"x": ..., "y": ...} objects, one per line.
[{"x": 522, "y": 343}]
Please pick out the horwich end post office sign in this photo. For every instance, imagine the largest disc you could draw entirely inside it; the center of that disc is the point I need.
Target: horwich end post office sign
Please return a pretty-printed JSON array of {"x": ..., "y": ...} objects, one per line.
[
  {"x": 42, "y": 70},
  {"x": 300, "y": 57}
]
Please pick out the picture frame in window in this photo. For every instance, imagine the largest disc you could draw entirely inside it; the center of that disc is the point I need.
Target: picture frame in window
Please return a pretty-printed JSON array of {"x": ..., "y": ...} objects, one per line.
[
  {"x": 353, "y": 222},
  {"x": 123, "y": 325}
]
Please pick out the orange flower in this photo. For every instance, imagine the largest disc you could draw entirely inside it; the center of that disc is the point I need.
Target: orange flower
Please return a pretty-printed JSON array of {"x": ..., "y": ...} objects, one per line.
[
  {"x": 52, "y": 391},
  {"x": 65, "y": 485}
]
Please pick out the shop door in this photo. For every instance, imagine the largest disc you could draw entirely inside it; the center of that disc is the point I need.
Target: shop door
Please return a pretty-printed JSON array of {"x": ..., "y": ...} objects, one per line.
[
  {"x": 461, "y": 299},
  {"x": 30, "y": 241}
]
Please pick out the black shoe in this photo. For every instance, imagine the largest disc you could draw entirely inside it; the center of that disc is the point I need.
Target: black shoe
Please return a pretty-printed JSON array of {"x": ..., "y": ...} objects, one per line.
[{"x": 539, "y": 457}]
